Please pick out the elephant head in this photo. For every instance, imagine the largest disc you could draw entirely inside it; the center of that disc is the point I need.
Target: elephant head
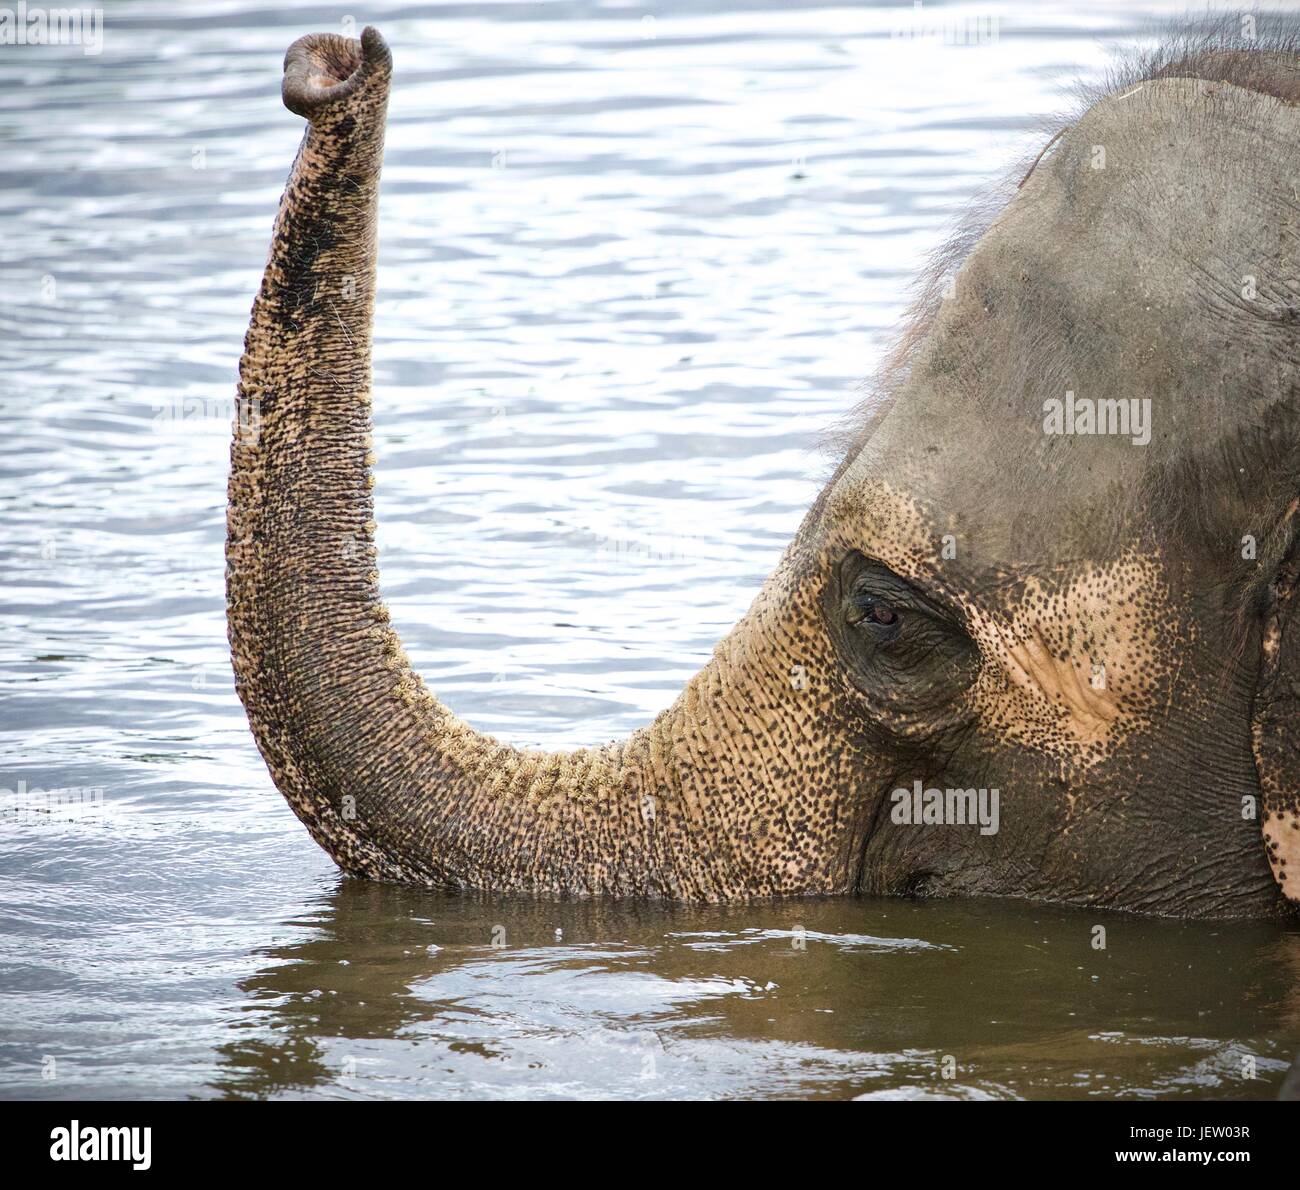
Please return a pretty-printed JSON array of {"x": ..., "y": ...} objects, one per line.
[{"x": 1031, "y": 639}]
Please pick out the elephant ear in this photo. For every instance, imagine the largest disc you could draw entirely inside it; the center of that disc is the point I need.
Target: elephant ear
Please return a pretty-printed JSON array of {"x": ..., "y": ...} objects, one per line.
[{"x": 1275, "y": 728}]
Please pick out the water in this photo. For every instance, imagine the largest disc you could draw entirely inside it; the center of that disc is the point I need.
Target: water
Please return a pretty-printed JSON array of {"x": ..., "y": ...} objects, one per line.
[{"x": 631, "y": 268}]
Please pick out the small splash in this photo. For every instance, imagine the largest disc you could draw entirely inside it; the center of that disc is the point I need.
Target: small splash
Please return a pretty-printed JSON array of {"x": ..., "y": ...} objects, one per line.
[{"x": 721, "y": 940}]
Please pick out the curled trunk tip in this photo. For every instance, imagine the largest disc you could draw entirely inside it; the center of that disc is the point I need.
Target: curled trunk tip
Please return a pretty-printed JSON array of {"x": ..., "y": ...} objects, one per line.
[{"x": 323, "y": 69}]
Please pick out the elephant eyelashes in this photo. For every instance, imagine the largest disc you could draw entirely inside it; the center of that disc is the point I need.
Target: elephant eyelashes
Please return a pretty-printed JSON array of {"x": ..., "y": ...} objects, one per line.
[{"x": 881, "y": 619}]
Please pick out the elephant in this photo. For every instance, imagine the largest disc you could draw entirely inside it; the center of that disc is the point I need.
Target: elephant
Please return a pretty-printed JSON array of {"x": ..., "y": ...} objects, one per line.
[{"x": 1031, "y": 640}]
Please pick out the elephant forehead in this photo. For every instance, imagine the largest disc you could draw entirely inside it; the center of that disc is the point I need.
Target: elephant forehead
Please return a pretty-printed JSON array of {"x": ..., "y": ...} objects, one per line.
[
  {"x": 1109, "y": 342},
  {"x": 888, "y": 523}
]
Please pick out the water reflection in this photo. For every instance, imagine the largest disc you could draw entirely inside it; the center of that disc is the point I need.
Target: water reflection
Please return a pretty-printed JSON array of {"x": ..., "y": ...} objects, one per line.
[{"x": 398, "y": 993}]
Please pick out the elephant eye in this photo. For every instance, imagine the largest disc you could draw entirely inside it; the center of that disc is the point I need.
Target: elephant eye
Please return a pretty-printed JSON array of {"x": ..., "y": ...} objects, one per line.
[
  {"x": 904, "y": 651},
  {"x": 882, "y": 613},
  {"x": 881, "y": 619}
]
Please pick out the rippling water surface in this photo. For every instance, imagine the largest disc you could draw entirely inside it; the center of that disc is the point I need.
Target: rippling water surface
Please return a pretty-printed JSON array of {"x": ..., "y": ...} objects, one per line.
[{"x": 634, "y": 259}]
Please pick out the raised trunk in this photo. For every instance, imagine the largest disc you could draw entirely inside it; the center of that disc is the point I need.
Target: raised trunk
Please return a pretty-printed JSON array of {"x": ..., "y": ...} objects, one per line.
[{"x": 386, "y": 778}]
